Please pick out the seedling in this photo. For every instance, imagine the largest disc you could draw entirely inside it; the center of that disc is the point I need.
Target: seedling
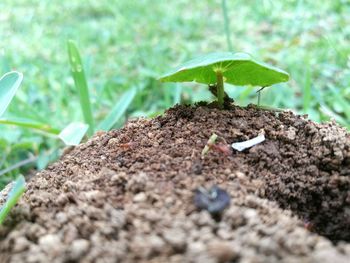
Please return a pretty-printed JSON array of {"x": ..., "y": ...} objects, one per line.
[
  {"x": 218, "y": 144},
  {"x": 233, "y": 68},
  {"x": 210, "y": 142}
]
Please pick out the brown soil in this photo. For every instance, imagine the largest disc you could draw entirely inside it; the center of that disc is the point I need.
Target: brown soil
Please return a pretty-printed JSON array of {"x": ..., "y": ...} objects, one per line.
[{"x": 127, "y": 195}]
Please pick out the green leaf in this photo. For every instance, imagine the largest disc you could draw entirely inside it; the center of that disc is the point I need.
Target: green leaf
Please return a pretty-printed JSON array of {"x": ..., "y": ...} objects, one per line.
[
  {"x": 81, "y": 84},
  {"x": 13, "y": 196},
  {"x": 9, "y": 84},
  {"x": 118, "y": 110},
  {"x": 73, "y": 133},
  {"x": 237, "y": 69}
]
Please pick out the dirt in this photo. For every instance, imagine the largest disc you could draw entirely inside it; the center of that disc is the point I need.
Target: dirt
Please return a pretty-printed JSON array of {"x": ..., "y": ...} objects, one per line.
[{"x": 128, "y": 195}]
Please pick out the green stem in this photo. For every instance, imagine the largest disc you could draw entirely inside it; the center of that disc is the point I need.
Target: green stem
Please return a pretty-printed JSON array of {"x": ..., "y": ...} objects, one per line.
[
  {"x": 220, "y": 88},
  {"x": 259, "y": 94},
  {"x": 227, "y": 25}
]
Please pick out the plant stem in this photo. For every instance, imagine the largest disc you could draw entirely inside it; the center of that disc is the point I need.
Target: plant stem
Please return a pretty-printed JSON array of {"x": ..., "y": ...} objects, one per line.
[
  {"x": 227, "y": 25},
  {"x": 220, "y": 88},
  {"x": 259, "y": 94}
]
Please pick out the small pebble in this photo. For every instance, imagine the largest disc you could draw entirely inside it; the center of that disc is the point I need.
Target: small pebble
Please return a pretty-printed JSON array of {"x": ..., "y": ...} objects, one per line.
[{"x": 140, "y": 197}]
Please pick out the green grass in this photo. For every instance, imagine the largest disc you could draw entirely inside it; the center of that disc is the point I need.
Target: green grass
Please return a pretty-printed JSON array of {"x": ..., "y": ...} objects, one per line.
[
  {"x": 80, "y": 82},
  {"x": 126, "y": 45},
  {"x": 14, "y": 194}
]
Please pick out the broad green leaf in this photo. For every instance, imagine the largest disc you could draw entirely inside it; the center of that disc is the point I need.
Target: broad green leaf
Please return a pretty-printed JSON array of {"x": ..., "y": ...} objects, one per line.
[
  {"x": 118, "y": 110},
  {"x": 73, "y": 133},
  {"x": 237, "y": 69},
  {"x": 81, "y": 84},
  {"x": 17, "y": 190},
  {"x": 9, "y": 84}
]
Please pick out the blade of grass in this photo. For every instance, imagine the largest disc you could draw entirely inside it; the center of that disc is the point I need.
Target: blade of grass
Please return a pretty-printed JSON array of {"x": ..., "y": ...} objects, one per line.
[
  {"x": 81, "y": 84},
  {"x": 177, "y": 94},
  {"x": 9, "y": 83},
  {"x": 25, "y": 123},
  {"x": 17, "y": 190},
  {"x": 73, "y": 133},
  {"x": 118, "y": 110}
]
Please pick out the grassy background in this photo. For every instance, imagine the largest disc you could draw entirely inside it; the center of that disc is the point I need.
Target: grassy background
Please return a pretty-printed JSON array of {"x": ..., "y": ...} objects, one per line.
[{"x": 128, "y": 44}]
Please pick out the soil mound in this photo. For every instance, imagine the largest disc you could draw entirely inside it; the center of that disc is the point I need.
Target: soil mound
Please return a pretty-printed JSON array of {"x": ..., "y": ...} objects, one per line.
[{"x": 128, "y": 195}]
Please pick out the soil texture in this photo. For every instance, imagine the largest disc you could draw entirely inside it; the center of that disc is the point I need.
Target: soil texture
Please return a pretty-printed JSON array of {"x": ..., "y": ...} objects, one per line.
[{"x": 128, "y": 195}]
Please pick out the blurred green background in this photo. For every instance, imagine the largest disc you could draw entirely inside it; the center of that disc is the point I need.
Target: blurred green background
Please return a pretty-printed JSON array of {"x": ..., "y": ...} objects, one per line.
[{"x": 128, "y": 44}]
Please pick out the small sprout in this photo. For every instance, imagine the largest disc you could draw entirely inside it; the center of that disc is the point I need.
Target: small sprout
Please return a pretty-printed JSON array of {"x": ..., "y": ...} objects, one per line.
[
  {"x": 240, "y": 146},
  {"x": 214, "y": 69},
  {"x": 221, "y": 146},
  {"x": 210, "y": 142},
  {"x": 214, "y": 200}
]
